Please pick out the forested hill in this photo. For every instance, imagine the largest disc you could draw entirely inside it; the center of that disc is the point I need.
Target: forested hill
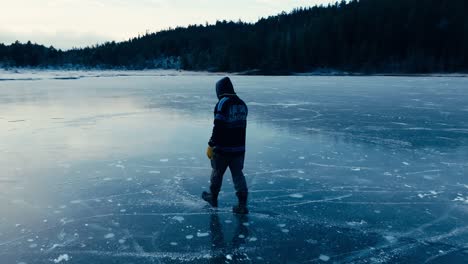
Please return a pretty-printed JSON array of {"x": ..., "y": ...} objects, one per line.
[{"x": 370, "y": 36}]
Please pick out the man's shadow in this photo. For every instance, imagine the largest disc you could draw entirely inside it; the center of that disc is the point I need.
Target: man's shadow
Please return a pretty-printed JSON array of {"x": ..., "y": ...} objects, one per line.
[{"x": 222, "y": 250}]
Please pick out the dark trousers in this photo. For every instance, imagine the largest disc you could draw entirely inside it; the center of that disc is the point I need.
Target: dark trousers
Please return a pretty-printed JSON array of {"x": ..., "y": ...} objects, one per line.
[{"x": 220, "y": 163}]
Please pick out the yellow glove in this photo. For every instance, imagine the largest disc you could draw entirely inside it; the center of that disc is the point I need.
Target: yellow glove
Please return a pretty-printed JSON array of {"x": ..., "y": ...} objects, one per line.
[{"x": 209, "y": 152}]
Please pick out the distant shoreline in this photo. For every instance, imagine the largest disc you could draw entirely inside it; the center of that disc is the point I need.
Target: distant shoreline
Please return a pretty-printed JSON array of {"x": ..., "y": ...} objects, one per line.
[{"x": 31, "y": 74}]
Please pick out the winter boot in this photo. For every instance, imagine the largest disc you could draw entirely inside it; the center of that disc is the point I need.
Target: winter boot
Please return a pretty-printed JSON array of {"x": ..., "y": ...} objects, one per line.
[
  {"x": 241, "y": 208},
  {"x": 211, "y": 198}
]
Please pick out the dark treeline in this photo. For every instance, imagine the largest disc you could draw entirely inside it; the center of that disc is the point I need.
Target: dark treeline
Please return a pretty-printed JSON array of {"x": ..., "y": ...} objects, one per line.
[{"x": 393, "y": 36}]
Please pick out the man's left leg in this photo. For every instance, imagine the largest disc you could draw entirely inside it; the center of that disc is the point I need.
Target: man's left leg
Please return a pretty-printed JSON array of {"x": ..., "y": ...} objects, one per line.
[{"x": 236, "y": 165}]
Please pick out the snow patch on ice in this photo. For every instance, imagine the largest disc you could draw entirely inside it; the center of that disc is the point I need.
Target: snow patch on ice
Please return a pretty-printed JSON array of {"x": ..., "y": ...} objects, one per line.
[
  {"x": 154, "y": 172},
  {"x": 430, "y": 194},
  {"x": 390, "y": 239},
  {"x": 353, "y": 223},
  {"x": 109, "y": 236},
  {"x": 179, "y": 219},
  {"x": 199, "y": 234},
  {"x": 146, "y": 192},
  {"x": 324, "y": 258},
  {"x": 189, "y": 237},
  {"x": 461, "y": 199},
  {"x": 61, "y": 258},
  {"x": 164, "y": 160},
  {"x": 296, "y": 195}
]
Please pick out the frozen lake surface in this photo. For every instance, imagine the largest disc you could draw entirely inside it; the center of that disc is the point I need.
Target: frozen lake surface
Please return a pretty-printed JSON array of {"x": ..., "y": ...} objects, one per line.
[{"x": 109, "y": 167}]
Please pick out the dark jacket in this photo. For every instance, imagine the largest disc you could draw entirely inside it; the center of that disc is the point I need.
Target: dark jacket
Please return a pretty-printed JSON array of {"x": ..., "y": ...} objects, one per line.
[{"x": 230, "y": 120}]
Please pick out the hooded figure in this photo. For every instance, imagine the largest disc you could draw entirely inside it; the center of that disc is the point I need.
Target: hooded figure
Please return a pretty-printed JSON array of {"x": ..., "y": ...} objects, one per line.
[
  {"x": 226, "y": 147},
  {"x": 224, "y": 88}
]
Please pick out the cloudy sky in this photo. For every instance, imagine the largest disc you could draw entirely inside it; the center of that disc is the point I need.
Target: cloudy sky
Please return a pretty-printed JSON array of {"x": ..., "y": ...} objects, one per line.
[{"x": 76, "y": 23}]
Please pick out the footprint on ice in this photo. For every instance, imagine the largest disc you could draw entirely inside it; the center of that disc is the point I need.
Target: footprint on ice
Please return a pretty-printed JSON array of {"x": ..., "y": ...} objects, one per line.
[
  {"x": 173, "y": 243},
  {"x": 296, "y": 195},
  {"x": 109, "y": 236},
  {"x": 120, "y": 166},
  {"x": 301, "y": 158},
  {"x": 164, "y": 160},
  {"x": 324, "y": 258},
  {"x": 227, "y": 221},
  {"x": 121, "y": 241},
  {"x": 154, "y": 172},
  {"x": 284, "y": 230}
]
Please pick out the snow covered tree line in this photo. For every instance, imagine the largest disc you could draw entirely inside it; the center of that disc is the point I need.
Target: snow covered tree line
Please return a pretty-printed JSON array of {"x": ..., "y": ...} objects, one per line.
[{"x": 370, "y": 36}]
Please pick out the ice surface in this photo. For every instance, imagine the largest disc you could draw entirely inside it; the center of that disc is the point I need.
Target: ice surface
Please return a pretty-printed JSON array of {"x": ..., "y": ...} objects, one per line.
[{"x": 340, "y": 169}]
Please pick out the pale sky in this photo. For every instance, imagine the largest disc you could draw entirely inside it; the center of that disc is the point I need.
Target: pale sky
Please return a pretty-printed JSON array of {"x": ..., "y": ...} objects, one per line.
[{"x": 77, "y": 23}]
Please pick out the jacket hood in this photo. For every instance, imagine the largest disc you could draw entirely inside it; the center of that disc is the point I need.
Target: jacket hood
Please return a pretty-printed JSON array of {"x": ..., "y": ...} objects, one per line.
[{"x": 224, "y": 87}]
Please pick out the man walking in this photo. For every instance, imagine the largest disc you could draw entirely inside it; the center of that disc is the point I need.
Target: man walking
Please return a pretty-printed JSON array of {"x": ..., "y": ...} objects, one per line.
[{"x": 227, "y": 145}]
